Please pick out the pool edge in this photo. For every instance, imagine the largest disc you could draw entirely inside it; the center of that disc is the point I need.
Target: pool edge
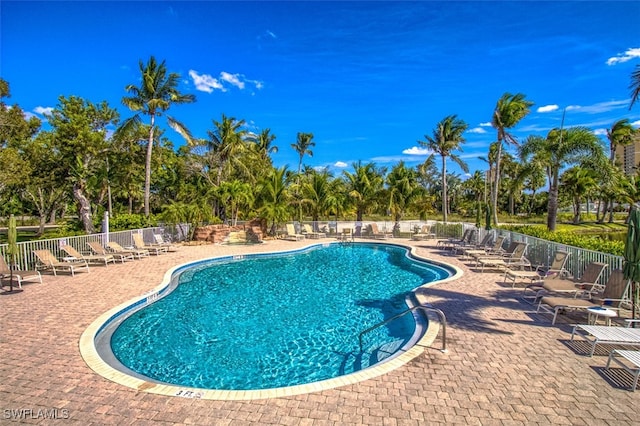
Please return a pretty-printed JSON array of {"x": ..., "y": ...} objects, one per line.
[{"x": 94, "y": 361}]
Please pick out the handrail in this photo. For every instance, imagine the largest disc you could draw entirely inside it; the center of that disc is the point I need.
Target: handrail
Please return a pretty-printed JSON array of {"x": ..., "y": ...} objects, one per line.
[{"x": 443, "y": 320}]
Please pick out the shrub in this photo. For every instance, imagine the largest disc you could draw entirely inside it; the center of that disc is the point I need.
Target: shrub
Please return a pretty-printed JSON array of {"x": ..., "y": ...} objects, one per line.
[{"x": 595, "y": 243}]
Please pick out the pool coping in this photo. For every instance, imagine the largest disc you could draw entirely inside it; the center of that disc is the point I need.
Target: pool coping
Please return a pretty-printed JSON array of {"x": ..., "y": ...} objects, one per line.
[{"x": 92, "y": 358}]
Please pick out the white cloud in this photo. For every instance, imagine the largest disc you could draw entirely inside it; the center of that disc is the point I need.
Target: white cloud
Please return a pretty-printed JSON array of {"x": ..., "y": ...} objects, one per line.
[
  {"x": 208, "y": 83},
  {"x": 233, "y": 79},
  {"x": 636, "y": 123},
  {"x": 547, "y": 108},
  {"x": 340, "y": 164},
  {"x": 486, "y": 124},
  {"x": 629, "y": 54},
  {"x": 600, "y": 107},
  {"x": 271, "y": 34},
  {"x": 205, "y": 82},
  {"x": 43, "y": 110},
  {"x": 479, "y": 130},
  {"x": 414, "y": 150},
  {"x": 600, "y": 132}
]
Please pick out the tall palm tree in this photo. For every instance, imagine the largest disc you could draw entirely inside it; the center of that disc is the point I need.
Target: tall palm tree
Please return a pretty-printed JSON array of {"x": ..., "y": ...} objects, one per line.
[
  {"x": 559, "y": 149},
  {"x": 509, "y": 111},
  {"x": 264, "y": 143},
  {"x": 157, "y": 92},
  {"x": 303, "y": 145},
  {"x": 621, "y": 133},
  {"x": 317, "y": 194},
  {"x": 634, "y": 86},
  {"x": 447, "y": 138}
]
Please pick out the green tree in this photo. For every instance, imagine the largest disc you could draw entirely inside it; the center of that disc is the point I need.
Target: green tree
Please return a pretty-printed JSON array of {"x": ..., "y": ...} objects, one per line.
[
  {"x": 264, "y": 144},
  {"x": 621, "y": 133},
  {"x": 446, "y": 139},
  {"x": 317, "y": 193},
  {"x": 403, "y": 188},
  {"x": 228, "y": 142},
  {"x": 576, "y": 182},
  {"x": 233, "y": 195},
  {"x": 509, "y": 111},
  {"x": 274, "y": 197},
  {"x": 560, "y": 148},
  {"x": 634, "y": 86},
  {"x": 363, "y": 187},
  {"x": 79, "y": 129},
  {"x": 157, "y": 92}
]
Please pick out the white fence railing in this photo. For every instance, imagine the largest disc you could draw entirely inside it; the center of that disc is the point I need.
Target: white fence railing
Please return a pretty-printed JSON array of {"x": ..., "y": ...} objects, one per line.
[{"x": 27, "y": 260}]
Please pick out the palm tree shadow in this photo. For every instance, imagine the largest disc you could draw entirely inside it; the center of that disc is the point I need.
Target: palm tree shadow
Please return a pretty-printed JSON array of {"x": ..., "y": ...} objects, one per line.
[{"x": 465, "y": 311}]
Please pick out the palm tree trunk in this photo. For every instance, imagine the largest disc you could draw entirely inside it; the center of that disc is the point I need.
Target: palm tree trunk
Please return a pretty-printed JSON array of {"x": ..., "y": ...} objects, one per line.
[
  {"x": 552, "y": 206},
  {"x": 494, "y": 194},
  {"x": 444, "y": 189},
  {"x": 84, "y": 208},
  {"x": 147, "y": 171}
]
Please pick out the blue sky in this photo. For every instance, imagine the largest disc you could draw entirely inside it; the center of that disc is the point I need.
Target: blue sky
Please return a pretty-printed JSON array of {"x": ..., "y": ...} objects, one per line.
[{"x": 368, "y": 79}]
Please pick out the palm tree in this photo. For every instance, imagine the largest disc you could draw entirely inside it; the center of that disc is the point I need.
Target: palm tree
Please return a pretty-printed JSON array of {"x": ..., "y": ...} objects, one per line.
[
  {"x": 635, "y": 86},
  {"x": 621, "y": 133},
  {"x": 155, "y": 95},
  {"x": 403, "y": 188},
  {"x": 577, "y": 181},
  {"x": 447, "y": 137},
  {"x": 227, "y": 141},
  {"x": 233, "y": 194},
  {"x": 303, "y": 145},
  {"x": 558, "y": 149},
  {"x": 509, "y": 111},
  {"x": 317, "y": 194},
  {"x": 264, "y": 144},
  {"x": 363, "y": 186},
  {"x": 274, "y": 197}
]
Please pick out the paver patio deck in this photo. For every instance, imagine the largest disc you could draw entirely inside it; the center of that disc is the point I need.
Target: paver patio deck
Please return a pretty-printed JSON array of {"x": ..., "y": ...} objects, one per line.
[{"x": 505, "y": 365}]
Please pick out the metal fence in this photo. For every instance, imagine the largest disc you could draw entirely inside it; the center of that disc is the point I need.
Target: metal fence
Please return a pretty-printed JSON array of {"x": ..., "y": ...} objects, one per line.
[{"x": 26, "y": 259}]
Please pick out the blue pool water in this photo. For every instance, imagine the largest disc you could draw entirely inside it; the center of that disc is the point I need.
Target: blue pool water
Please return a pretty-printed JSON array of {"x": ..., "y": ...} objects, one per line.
[{"x": 273, "y": 321}]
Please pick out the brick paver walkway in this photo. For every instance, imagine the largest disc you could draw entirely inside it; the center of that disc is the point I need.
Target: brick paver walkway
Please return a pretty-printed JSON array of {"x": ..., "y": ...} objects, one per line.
[{"x": 505, "y": 365}]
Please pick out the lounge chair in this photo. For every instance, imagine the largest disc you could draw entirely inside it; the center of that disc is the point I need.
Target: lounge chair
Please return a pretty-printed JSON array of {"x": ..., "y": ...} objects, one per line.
[
  {"x": 93, "y": 258},
  {"x": 18, "y": 276},
  {"x": 291, "y": 233},
  {"x": 554, "y": 269},
  {"x": 374, "y": 232},
  {"x": 46, "y": 260},
  {"x": 138, "y": 243},
  {"x": 613, "y": 295},
  {"x": 310, "y": 233},
  {"x": 632, "y": 357},
  {"x": 485, "y": 250},
  {"x": 467, "y": 239},
  {"x": 589, "y": 281},
  {"x": 602, "y": 334},
  {"x": 159, "y": 241},
  {"x": 513, "y": 258},
  {"x": 424, "y": 233},
  {"x": 97, "y": 248},
  {"x": 346, "y": 235},
  {"x": 115, "y": 248}
]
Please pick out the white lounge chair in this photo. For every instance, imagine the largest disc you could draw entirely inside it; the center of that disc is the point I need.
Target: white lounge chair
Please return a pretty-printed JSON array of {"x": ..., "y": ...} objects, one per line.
[
  {"x": 607, "y": 335},
  {"x": 138, "y": 243},
  {"x": 633, "y": 357},
  {"x": 93, "y": 258},
  {"x": 424, "y": 233},
  {"x": 97, "y": 248},
  {"x": 308, "y": 232},
  {"x": 541, "y": 272},
  {"x": 159, "y": 241},
  {"x": 115, "y": 248},
  {"x": 46, "y": 260},
  {"x": 512, "y": 258},
  {"x": 291, "y": 233}
]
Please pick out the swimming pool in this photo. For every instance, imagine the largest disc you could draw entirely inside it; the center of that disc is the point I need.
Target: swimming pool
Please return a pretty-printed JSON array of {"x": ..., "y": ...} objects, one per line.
[{"x": 270, "y": 321}]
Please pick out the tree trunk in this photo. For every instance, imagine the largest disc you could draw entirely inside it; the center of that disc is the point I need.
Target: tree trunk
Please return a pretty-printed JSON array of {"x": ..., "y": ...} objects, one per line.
[
  {"x": 84, "y": 208},
  {"x": 552, "y": 205},
  {"x": 576, "y": 210},
  {"x": 494, "y": 194},
  {"x": 147, "y": 171},
  {"x": 445, "y": 205}
]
